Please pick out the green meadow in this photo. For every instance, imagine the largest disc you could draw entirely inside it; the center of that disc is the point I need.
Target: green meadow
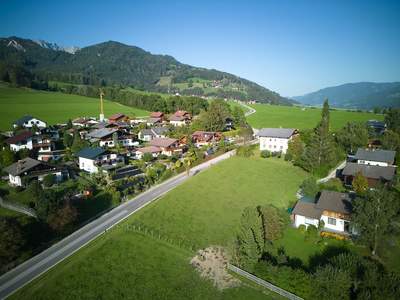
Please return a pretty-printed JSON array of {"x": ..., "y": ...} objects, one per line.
[
  {"x": 53, "y": 107},
  {"x": 303, "y": 118}
]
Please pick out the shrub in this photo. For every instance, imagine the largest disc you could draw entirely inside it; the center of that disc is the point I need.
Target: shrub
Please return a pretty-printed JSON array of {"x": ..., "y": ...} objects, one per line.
[
  {"x": 333, "y": 184},
  {"x": 245, "y": 151},
  {"x": 265, "y": 154},
  {"x": 311, "y": 232},
  {"x": 147, "y": 157},
  {"x": 302, "y": 228},
  {"x": 309, "y": 187},
  {"x": 49, "y": 180},
  {"x": 288, "y": 156}
]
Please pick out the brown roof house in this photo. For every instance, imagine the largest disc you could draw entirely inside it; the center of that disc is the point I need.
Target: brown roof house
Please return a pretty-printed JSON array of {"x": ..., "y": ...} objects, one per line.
[
  {"x": 168, "y": 146},
  {"x": 375, "y": 174},
  {"x": 23, "y": 140},
  {"x": 332, "y": 208},
  {"x": 180, "y": 118},
  {"x": 118, "y": 117},
  {"x": 201, "y": 138}
]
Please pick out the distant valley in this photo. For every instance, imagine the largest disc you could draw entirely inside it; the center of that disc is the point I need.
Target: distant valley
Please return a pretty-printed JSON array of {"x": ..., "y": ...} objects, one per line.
[{"x": 361, "y": 95}]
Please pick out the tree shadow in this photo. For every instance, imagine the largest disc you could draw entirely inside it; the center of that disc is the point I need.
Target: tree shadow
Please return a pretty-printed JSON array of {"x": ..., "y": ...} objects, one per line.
[{"x": 327, "y": 254}]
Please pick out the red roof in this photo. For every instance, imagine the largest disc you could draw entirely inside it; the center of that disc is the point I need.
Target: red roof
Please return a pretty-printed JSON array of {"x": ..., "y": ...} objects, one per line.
[
  {"x": 181, "y": 113},
  {"x": 116, "y": 117},
  {"x": 149, "y": 149},
  {"x": 19, "y": 137},
  {"x": 156, "y": 114},
  {"x": 163, "y": 142}
]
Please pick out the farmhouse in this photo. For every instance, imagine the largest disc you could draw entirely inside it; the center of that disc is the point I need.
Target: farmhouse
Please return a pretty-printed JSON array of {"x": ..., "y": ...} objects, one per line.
[
  {"x": 27, "y": 169},
  {"x": 29, "y": 122},
  {"x": 374, "y": 173},
  {"x": 91, "y": 159},
  {"x": 118, "y": 118},
  {"x": 275, "y": 139},
  {"x": 332, "y": 209},
  {"x": 168, "y": 146},
  {"x": 201, "y": 138},
  {"x": 157, "y": 114},
  {"x": 149, "y": 134},
  {"x": 23, "y": 140},
  {"x": 180, "y": 118},
  {"x": 375, "y": 157}
]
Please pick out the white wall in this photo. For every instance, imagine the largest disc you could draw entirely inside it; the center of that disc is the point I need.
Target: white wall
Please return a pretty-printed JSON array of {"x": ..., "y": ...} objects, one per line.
[
  {"x": 301, "y": 220},
  {"x": 372, "y": 163},
  {"x": 178, "y": 123},
  {"x": 87, "y": 165},
  {"x": 339, "y": 223},
  {"x": 274, "y": 144},
  {"x": 15, "y": 180},
  {"x": 33, "y": 122},
  {"x": 19, "y": 146}
]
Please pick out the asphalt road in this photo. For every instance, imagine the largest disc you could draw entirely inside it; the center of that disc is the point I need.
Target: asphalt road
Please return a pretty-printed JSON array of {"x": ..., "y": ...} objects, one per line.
[{"x": 32, "y": 268}]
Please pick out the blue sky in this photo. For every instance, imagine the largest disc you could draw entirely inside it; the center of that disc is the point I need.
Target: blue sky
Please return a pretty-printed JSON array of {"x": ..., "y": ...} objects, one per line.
[{"x": 292, "y": 47}]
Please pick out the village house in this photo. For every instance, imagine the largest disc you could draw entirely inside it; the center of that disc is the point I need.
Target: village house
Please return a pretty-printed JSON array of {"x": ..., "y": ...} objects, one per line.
[
  {"x": 202, "y": 138},
  {"x": 29, "y": 122},
  {"x": 275, "y": 139},
  {"x": 153, "y": 150},
  {"x": 180, "y": 118},
  {"x": 118, "y": 117},
  {"x": 332, "y": 210},
  {"x": 103, "y": 135},
  {"x": 149, "y": 134},
  {"x": 375, "y": 157},
  {"x": 91, "y": 159},
  {"x": 374, "y": 174},
  {"x": 157, "y": 114},
  {"x": 23, "y": 140},
  {"x": 168, "y": 146},
  {"x": 153, "y": 121},
  {"x": 27, "y": 169}
]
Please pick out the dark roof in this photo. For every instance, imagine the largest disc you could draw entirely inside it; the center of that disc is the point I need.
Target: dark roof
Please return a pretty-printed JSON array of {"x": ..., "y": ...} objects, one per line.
[
  {"x": 116, "y": 116},
  {"x": 153, "y": 120},
  {"x": 90, "y": 153},
  {"x": 177, "y": 118},
  {"x": 368, "y": 171},
  {"x": 376, "y": 155},
  {"x": 307, "y": 209},
  {"x": 156, "y": 114},
  {"x": 276, "y": 132},
  {"x": 22, "y": 166},
  {"x": 19, "y": 137},
  {"x": 160, "y": 130},
  {"x": 101, "y": 133},
  {"x": 21, "y": 121},
  {"x": 334, "y": 201}
]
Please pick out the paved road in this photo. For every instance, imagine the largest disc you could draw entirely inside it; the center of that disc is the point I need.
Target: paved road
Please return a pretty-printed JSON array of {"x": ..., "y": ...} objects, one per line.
[
  {"x": 27, "y": 271},
  {"x": 18, "y": 208},
  {"x": 333, "y": 173}
]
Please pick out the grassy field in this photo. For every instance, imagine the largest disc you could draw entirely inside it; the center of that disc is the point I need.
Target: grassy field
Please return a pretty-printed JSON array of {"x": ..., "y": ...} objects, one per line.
[
  {"x": 52, "y": 107},
  {"x": 296, "y": 117},
  {"x": 202, "y": 212}
]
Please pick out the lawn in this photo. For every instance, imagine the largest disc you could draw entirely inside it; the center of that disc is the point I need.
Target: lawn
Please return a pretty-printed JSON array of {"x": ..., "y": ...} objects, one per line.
[
  {"x": 203, "y": 211},
  {"x": 296, "y": 117},
  {"x": 52, "y": 107}
]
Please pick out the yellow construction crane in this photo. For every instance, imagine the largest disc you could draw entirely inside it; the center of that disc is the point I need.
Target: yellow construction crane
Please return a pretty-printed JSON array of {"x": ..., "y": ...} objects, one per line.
[{"x": 101, "y": 105}]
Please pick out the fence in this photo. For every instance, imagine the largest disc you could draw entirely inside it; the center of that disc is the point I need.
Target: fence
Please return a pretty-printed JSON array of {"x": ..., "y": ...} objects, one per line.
[{"x": 264, "y": 283}]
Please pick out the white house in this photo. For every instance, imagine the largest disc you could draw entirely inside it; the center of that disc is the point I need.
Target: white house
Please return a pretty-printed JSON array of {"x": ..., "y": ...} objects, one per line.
[
  {"x": 333, "y": 208},
  {"x": 91, "y": 159},
  {"x": 29, "y": 122},
  {"x": 153, "y": 150},
  {"x": 31, "y": 168},
  {"x": 23, "y": 140},
  {"x": 180, "y": 118},
  {"x": 275, "y": 139},
  {"x": 375, "y": 157}
]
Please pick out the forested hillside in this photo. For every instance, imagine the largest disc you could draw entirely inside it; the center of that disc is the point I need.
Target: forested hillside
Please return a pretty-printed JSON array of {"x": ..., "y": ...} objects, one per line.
[{"x": 34, "y": 63}]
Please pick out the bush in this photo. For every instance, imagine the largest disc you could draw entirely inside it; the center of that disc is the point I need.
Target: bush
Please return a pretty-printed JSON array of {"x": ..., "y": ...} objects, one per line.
[
  {"x": 245, "y": 151},
  {"x": 49, "y": 180},
  {"x": 311, "y": 232},
  {"x": 309, "y": 187},
  {"x": 147, "y": 157},
  {"x": 333, "y": 184},
  {"x": 302, "y": 228},
  {"x": 288, "y": 157},
  {"x": 265, "y": 154}
]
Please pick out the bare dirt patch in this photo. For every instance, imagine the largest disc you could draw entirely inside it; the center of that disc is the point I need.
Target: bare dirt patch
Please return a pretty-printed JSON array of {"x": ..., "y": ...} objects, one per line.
[{"x": 212, "y": 264}]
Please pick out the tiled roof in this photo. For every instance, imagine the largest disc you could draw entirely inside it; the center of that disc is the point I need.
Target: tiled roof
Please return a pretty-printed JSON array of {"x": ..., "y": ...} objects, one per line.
[
  {"x": 334, "y": 201},
  {"x": 162, "y": 142},
  {"x": 23, "y": 136},
  {"x": 307, "y": 209},
  {"x": 21, "y": 121},
  {"x": 276, "y": 132},
  {"x": 22, "y": 166},
  {"x": 90, "y": 153},
  {"x": 368, "y": 171},
  {"x": 149, "y": 149},
  {"x": 102, "y": 132},
  {"x": 376, "y": 155},
  {"x": 116, "y": 116}
]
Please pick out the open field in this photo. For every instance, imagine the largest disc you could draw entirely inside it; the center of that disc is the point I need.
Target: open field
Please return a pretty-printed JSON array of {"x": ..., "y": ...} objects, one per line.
[
  {"x": 203, "y": 211},
  {"x": 52, "y": 107},
  {"x": 296, "y": 117}
]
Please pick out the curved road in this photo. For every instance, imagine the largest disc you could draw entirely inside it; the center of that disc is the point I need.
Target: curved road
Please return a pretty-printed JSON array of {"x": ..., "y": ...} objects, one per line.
[{"x": 32, "y": 268}]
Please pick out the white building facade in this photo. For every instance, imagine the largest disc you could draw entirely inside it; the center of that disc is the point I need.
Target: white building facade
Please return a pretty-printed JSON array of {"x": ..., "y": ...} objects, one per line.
[{"x": 275, "y": 139}]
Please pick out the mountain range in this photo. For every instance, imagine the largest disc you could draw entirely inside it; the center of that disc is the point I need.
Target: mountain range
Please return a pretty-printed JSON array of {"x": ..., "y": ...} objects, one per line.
[
  {"x": 360, "y": 95},
  {"x": 115, "y": 64}
]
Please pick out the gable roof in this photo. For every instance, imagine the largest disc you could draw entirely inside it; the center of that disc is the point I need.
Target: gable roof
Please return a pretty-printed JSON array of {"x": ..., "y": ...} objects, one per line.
[
  {"x": 307, "y": 209},
  {"x": 21, "y": 121},
  {"x": 156, "y": 114},
  {"x": 160, "y": 130},
  {"x": 153, "y": 120},
  {"x": 276, "y": 132},
  {"x": 116, "y": 116},
  {"x": 90, "y": 153},
  {"x": 22, "y": 166},
  {"x": 149, "y": 149},
  {"x": 177, "y": 118},
  {"x": 334, "y": 201},
  {"x": 376, "y": 155},
  {"x": 163, "y": 142},
  {"x": 23, "y": 136},
  {"x": 368, "y": 171},
  {"x": 181, "y": 113},
  {"x": 102, "y": 132}
]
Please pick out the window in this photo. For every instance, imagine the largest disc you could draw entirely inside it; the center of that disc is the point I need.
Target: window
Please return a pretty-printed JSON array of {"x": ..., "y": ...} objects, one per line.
[{"x": 332, "y": 221}]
